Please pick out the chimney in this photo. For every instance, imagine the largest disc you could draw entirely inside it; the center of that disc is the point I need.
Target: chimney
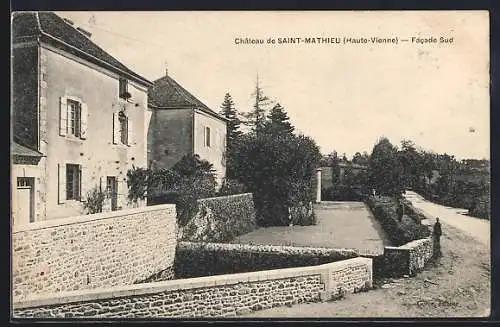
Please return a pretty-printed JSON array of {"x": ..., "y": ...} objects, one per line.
[
  {"x": 84, "y": 32},
  {"x": 166, "y": 69}
]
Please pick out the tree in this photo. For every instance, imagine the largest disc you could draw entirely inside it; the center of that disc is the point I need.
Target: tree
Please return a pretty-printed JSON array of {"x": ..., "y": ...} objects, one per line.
[
  {"x": 278, "y": 171},
  {"x": 257, "y": 117},
  {"x": 386, "y": 173},
  {"x": 278, "y": 122},
  {"x": 233, "y": 124}
]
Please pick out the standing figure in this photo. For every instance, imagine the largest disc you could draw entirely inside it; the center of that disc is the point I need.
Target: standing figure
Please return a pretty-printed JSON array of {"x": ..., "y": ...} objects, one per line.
[{"x": 436, "y": 234}]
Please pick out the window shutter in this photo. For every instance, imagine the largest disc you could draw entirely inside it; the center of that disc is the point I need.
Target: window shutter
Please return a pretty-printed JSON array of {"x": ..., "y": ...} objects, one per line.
[
  {"x": 130, "y": 131},
  {"x": 83, "y": 121},
  {"x": 63, "y": 116},
  {"x": 61, "y": 182},
  {"x": 84, "y": 183},
  {"x": 116, "y": 128}
]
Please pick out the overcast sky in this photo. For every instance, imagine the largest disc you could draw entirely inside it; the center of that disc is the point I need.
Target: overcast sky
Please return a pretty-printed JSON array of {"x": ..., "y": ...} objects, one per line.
[{"x": 344, "y": 96}]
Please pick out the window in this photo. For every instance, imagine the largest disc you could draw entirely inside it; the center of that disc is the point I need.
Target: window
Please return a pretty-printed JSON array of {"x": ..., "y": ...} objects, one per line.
[
  {"x": 123, "y": 128},
  {"x": 74, "y": 118},
  {"x": 207, "y": 136},
  {"x": 123, "y": 88},
  {"x": 73, "y": 182}
]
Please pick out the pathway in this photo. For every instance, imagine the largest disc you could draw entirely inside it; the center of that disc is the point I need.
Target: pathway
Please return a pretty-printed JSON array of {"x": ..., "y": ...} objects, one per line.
[{"x": 475, "y": 227}]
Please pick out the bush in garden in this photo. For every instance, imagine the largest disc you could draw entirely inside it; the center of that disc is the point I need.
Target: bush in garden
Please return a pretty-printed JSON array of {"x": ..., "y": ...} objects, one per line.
[
  {"x": 95, "y": 200},
  {"x": 278, "y": 170},
  {"x": 384, "y": 209},
  {"x": 230, "y": 187}
]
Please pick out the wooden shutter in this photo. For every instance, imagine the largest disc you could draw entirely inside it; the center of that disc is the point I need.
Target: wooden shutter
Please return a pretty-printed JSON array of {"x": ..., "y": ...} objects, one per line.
[
  {"x": 130, "y": 131},
  {"x": 61, "y": 182},
  {"x": 84, "y": 183},
  {"x": 116, "y": 128},
  {"x": 63, "y": 116},
  {"x": 83, "y": 121}
]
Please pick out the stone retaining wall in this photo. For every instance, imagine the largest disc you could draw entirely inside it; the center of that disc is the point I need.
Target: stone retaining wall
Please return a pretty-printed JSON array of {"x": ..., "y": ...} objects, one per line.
[
  {"x": 409, "y": 258},
  {"x": 99, "y": 250},
  {"x": 212, "y": 296},
  {"x": 220, "y": 219}
]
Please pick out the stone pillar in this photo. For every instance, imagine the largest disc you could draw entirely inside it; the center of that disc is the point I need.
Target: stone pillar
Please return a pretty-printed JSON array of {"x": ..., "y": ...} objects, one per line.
[{"x": 318, "y": 185}]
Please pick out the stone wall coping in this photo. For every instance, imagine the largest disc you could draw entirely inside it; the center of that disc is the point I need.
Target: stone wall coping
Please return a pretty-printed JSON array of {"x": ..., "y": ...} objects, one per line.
[
  {"x": 225, "y": 197},
  {"x": 265, "y": 248},
  {"x": 408, "y": 246},
  {"x": 183, "y": 284},
  {"x": 87, "y": 218}
]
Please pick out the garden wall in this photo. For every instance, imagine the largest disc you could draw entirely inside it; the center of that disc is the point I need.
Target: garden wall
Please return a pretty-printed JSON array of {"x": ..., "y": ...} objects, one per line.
[
  {"x": 212, "y": 296},
  {"x": 100, "y": 250},
  {"x": 221, "y": 219},
  {"x": 407, "y": 259},
  {"x": 205, "y": 259}
]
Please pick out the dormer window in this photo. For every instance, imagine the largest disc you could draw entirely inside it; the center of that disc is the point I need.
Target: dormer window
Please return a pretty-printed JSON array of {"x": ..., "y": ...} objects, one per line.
[{"x": 123, "y": 88}]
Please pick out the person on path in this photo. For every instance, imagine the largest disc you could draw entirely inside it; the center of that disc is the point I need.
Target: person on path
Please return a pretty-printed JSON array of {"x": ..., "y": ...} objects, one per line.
[{"x": 436, "y": 234}]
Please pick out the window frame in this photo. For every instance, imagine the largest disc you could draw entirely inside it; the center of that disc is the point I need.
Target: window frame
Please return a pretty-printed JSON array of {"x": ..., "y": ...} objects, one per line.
[
  {"x": 208, "y": 137},
  {"x": 123, "y": 120},
  {"x": 74, "y": 124},
  {"x": 73, "y": 193}
]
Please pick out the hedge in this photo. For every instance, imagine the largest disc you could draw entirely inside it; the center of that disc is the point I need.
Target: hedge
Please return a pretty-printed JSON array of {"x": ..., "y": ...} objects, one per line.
[
  {"x": 343, "y": 193},
  {"x": 206, "y": 259},
  {"x": 385, "y": 211}
]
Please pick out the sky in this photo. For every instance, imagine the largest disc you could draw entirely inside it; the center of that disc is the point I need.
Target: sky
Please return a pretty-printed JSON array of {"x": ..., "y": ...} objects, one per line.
[{"x": 344, "y": 96}]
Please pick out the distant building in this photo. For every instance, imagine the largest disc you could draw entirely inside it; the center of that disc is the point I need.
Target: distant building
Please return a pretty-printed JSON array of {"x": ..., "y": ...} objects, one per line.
[
  {"x": 79, "y": 119},
  {"x": 183, "y": 125}
]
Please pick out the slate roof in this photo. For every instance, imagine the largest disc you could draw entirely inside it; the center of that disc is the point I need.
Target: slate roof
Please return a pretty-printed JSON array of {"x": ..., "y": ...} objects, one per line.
[
  {"x": 52, "y": 29},
  {"x": 20, "y": 150},
  {"x": 166, "y": 93}
]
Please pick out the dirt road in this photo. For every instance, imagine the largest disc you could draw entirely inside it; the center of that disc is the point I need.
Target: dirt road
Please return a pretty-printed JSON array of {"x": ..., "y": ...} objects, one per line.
[
  {"x": 475, "y": 227},
  {"x": 458, "y": 285}
]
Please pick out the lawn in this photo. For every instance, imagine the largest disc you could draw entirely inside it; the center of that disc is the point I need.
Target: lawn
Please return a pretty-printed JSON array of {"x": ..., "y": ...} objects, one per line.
[{"x": 339, "y": 225}]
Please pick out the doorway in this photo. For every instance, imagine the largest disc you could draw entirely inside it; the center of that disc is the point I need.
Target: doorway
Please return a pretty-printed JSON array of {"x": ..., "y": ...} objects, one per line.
[
  {"x": 24, "y": 210},
  {"x": 112, "y": 187}
]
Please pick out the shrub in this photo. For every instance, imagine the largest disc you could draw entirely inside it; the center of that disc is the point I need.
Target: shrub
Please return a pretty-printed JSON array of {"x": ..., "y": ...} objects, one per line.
[
  {"x": 343, "y": 193},
  {"x": 481, "y": 208},
  {"x": 230, "y": 187},
  {"x": 95, "y": 200},
  {"x": 385, "y": 210},
  {"x": 205, "y": 259}
]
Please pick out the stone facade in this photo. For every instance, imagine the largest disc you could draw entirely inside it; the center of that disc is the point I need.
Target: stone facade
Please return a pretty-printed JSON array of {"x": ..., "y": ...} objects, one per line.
[
  {"x": 100, "y": 250},
  {"x": 46, "y": 75},
  {"x": 98, "y": 155},
  {"x": 214, "y": 296},
  {"x": 221, "y": 219}
]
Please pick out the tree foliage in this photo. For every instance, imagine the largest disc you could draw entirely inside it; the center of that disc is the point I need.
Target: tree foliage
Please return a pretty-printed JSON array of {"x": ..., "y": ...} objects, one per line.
[
  {"x": 278, "y": 122},
  {"x": 385, "y": 170},
  {"x": 233, "y": 125},
  {"x": 278, "y": 171},
  {"x": 257, "y": 117}
]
